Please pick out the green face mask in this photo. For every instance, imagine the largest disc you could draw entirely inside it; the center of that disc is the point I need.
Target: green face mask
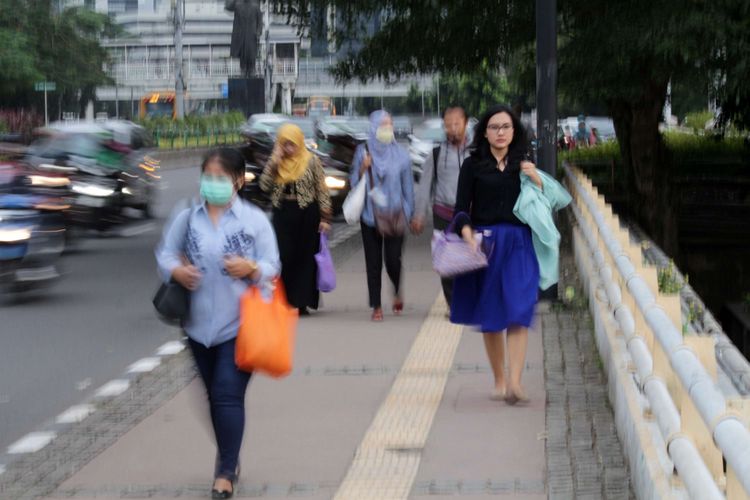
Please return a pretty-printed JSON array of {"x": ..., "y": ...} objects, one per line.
[{"x": 216, "y": 191}]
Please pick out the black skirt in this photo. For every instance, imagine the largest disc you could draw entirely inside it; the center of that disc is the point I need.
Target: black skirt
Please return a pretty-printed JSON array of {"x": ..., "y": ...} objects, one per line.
[{"x": 299, "y": 240}]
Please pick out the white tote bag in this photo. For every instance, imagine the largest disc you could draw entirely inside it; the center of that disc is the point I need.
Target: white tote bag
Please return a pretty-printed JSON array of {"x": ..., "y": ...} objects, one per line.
[{"x": 354, "y": 203}]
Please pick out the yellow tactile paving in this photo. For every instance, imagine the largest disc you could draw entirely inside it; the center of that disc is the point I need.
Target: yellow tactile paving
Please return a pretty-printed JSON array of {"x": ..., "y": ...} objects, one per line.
[{"x": 387, "y": 459}]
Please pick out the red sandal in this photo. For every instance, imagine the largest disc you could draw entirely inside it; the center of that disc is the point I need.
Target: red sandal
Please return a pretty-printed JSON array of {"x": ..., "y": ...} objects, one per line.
[
  {"x": 398, "y": 306},
  {"x": 377, "y": 314}
]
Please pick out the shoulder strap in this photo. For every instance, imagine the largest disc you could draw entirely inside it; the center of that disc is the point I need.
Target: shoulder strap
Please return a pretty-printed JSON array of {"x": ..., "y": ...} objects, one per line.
[
  {"x": 435, "y": 155},
  {"x": 369, "y": 170},
  {"x": 190, "y": 209}
]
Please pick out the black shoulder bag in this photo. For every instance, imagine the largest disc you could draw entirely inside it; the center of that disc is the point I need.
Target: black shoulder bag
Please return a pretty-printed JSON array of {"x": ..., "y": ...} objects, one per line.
[{"x": 172, "y": 300}]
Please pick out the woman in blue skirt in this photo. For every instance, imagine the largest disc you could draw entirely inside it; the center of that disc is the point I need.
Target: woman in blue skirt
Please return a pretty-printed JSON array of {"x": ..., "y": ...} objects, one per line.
[{"x": 502, "y": 296}]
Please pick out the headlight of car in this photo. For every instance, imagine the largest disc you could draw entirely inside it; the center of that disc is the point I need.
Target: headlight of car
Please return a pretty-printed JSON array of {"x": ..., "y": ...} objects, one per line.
[
  {"x": 249, "y": 177},
  {"x": 15, "y": 234},
  {"x": 92, "y": 190},
  {"x": 335, "y": 183}
]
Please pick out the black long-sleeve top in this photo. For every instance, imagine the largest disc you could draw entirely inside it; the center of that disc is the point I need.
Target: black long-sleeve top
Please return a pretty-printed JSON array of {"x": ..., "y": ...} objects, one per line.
[{"x": 486, "y": 194}]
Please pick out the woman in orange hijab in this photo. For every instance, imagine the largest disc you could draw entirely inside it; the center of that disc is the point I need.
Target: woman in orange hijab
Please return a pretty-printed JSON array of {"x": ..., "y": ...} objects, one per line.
[{"x": 295, "y": 182}]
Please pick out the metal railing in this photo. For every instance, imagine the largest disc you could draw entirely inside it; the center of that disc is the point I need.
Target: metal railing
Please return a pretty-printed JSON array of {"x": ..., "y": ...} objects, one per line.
[
  {"x": 676, "y": 374},
  {"x": 195, "y": 69}
]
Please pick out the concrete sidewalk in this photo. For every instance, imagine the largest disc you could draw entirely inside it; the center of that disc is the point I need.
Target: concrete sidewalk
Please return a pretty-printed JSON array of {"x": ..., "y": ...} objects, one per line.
[{"x": 398, "y": 409}]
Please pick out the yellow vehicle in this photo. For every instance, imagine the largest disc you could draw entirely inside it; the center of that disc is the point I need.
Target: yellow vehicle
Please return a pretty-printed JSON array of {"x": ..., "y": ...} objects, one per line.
[
  {"x": 157, "y": 104},
  {"x": 318, "y": 106}
]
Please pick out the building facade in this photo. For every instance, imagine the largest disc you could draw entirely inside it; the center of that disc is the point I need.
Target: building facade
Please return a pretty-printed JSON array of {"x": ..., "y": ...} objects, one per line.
[{"x": 143, "y": 61}]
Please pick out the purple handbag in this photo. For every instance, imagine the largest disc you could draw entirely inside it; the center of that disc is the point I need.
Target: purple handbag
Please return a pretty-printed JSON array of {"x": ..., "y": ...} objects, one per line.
[
  {"x": 326, "y": 270},
  {"x": 452, "y": 256}
]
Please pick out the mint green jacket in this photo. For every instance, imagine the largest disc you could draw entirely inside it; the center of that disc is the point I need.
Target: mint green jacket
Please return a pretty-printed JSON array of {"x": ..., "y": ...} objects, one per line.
[{"x": 534, "y": 207}]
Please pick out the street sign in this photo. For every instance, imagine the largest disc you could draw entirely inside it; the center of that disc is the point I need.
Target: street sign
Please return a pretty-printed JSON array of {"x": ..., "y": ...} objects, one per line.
[
  {"x": 224, "y": 90},
  {"x": 45, "y": 86}
]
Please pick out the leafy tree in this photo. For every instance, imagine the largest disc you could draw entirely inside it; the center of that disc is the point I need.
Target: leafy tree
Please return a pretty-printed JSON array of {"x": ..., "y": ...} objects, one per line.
[
  {"x": 617, "y": 55},
  {"x": 17, "y": 58},
  {"x": 477, "y": 90},
  {"x": 39, "y": 43}
]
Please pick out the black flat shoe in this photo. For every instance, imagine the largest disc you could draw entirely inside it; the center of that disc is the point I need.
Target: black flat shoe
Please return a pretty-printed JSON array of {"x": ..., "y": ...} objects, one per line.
[{"x": 221, "y": 495}]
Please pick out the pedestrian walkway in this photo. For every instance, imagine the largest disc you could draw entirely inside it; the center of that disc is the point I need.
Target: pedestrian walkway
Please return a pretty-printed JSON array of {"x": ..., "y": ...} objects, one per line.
[{"x": 390, "y": 410}]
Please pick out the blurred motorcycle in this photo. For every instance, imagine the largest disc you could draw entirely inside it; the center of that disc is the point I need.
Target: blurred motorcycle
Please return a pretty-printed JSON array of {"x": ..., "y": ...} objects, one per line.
[{"x": 32, "y": 229}]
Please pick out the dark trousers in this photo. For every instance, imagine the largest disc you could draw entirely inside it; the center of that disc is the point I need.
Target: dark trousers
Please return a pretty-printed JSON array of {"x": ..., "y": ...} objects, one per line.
[
  {"x": 374, "y": 245},
  {"x": 226, "y": 386},
  {"x": 442, "y": 225},
  {"x": 299, "y": 240}
]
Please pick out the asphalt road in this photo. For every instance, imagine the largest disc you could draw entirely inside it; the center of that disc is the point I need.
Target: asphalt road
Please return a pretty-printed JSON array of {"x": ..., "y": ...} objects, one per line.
[{"x": 59, "y": 346}]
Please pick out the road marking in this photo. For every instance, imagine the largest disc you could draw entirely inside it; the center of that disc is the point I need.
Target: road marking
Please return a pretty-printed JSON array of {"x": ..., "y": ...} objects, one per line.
[
  {"x": 31, "y": 443},
  {"x": 144, "y": 365},
  {"x": 112, "y": 389},
  {"x": 75, "y": 414},
  {"x": 171, "y": 348},
  {"x": 137, "y": 229},
  {"x": 386, "y": 462}
]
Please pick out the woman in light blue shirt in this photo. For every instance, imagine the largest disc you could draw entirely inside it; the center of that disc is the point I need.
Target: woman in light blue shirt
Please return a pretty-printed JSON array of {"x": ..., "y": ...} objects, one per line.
[
  {"x": 216, "y": 250},
  {"x": 383, "y": 164}
]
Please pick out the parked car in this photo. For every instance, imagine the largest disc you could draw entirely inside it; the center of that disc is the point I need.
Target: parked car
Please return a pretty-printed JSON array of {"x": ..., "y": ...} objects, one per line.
[
  {"x": 259, "y": 141},
  {"x": 108, "y": 167},
  {"x": 32, "y": 228}
]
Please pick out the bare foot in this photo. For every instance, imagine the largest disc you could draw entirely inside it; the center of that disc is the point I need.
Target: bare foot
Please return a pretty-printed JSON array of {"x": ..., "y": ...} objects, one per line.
[
  {"x": 516, "y": 395},
  {"x": 499, "y": 392}
]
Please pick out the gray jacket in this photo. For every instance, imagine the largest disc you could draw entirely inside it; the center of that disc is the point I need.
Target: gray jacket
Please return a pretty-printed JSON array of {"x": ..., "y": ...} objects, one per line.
[{"x": 443, "y": 192}]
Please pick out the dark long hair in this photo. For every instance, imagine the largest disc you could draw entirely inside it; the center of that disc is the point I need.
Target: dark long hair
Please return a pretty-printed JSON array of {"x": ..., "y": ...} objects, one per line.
[
  {"x": 517, "y": 149},
  {"x": 231, "y": 161}
]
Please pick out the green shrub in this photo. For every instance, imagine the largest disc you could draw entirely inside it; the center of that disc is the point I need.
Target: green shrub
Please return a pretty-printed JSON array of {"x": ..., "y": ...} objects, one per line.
[
  {"x": 698, "y": 120},
  {"x": 603, "y": 152},
  {"x": 195, "y": 130},
  {"x": 668, "y": 281},
  {"x": 687, "y": 148}
]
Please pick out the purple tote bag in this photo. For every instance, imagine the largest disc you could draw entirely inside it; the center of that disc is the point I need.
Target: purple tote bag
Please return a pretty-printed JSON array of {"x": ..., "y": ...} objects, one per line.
[
  {"x": 326, "y": 271},
  {"x": 452, "y": 256}
]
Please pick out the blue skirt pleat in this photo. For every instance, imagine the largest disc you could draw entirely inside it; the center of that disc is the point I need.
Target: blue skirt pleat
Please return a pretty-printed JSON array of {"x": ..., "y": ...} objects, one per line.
[{"x": 506, "y": 292}]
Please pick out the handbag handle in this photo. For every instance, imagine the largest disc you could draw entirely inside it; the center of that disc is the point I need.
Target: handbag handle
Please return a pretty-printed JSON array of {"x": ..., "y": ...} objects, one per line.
[{"x": 452, "y": 226}]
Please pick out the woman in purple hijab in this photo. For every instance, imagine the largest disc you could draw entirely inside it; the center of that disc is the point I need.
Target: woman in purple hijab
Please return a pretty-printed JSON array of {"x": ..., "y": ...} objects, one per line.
[{"x": 385, "y": 166}]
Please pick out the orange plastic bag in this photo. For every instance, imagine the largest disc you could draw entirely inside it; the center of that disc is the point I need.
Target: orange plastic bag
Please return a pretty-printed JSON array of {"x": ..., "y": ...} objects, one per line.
[{"x": 265, "y": 341}]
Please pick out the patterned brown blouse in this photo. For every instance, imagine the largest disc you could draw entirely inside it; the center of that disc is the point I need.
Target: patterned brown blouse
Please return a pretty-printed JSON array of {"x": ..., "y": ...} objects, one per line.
[{"x": 307, "y": 189}]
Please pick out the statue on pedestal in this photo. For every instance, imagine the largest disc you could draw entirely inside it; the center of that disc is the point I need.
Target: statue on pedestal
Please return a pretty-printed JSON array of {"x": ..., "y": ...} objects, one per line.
[{"x": 246, "y": 30}]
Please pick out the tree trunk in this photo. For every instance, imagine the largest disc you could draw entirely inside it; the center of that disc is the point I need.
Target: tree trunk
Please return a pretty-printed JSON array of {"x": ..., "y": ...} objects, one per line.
[{"x": 647, "y": 165}]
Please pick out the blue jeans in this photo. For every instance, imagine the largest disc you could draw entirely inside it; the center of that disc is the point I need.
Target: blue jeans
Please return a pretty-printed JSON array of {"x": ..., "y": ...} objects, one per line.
[{"x": 226, "y": 386}]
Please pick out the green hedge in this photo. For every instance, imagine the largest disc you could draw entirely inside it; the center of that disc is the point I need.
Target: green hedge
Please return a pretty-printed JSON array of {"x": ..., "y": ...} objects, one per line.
[
  {"x": 195, "y": 131},
  {"x": 697, "y": 121},
  {"x": 685, "y": 149}
]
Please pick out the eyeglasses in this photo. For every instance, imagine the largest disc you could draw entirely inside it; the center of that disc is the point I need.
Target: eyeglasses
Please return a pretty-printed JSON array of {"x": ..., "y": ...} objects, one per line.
[{"x": 499, "y": 128}]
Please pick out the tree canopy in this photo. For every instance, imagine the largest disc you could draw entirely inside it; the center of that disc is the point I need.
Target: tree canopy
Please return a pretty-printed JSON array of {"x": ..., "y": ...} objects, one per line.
[
  {"x": 39, "y": 43},
  {"x": 617, "y": 55}
]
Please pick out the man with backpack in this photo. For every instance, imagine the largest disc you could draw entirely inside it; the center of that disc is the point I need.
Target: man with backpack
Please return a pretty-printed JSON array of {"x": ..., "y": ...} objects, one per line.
[{"x": 439, "y": 180}]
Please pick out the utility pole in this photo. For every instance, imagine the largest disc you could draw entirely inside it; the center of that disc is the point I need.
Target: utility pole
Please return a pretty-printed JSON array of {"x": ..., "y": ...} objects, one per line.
[
  {"x": 546, "y": 84},
  {"x": 546, "y": 96},
  {"x": 179, "y": 87},
  {"x": 269, "y": 62}
]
